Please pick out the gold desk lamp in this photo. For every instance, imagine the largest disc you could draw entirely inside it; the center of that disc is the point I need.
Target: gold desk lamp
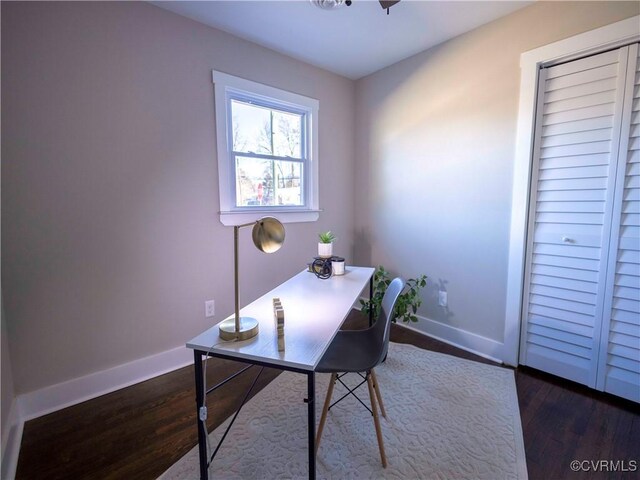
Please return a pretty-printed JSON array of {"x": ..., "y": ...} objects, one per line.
[{"x": 268, "y": 237}]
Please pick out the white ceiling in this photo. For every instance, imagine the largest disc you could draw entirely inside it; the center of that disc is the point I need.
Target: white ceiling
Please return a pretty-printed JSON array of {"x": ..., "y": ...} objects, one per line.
[{"x": 352, "y": 41}]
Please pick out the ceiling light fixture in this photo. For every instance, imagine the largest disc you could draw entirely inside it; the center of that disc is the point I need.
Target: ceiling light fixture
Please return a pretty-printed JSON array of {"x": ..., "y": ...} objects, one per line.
[
  {"x": 330, "y": 4},
  {"x": 333, "y": 4}
]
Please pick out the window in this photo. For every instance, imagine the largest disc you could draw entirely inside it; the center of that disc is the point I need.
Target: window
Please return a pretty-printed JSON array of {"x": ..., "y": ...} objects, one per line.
[{"x": 267, "y": 152}]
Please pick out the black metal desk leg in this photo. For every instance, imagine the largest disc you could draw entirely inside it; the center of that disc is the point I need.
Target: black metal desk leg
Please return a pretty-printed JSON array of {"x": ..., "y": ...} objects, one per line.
[
  {"x": 311, "y": 408},
  {"x": 202, "y": 430},
  {"x": 370, "y": 298}
]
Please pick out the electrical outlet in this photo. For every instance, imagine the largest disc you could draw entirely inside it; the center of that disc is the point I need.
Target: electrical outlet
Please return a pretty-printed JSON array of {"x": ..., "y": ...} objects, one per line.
[
  {"x": 442, "y": 298},
  {"x": 209, "y": 308}
]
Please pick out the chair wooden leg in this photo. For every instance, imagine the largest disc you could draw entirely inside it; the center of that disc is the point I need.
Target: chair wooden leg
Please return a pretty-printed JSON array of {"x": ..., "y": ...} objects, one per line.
[
  {"x": 376, "y": 387},
  {"x": 376, "y": 420},
  {"x": 325, "y": 409}
]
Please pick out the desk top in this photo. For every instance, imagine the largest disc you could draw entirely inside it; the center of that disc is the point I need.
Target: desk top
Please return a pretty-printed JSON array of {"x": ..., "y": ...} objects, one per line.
[{"x": 314, "y": 310}]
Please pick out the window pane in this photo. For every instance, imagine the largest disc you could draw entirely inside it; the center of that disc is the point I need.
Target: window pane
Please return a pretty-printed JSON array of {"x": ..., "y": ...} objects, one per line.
[
  {"x": 288, "y": 184},
  {"x": 264, "y": 130},
  {"x": 251, "y": 128},
  {"x": 261, "y": 182},
  {"x": 287, "y": 136}
]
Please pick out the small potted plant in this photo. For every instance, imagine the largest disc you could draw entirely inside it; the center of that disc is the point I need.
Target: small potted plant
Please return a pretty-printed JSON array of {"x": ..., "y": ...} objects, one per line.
[{"x": 325, "y": 245}]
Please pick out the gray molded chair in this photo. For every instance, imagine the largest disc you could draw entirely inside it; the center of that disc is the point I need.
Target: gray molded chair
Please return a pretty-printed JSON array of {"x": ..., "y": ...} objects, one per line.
[{"x": 360, "y": 351}]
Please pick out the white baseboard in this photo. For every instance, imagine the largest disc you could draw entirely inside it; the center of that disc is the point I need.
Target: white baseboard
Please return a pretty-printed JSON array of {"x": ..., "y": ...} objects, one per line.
[
  {"x": 62, "y": 395},
  {"x": 463, "y": 339},
  {"x": 11, "y": 439},
  {"x": 12, "y": 418}
]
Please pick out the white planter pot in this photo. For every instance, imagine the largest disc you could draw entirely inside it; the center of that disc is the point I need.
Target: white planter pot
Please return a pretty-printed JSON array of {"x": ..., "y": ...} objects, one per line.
[{"x": 325, "y": 250}]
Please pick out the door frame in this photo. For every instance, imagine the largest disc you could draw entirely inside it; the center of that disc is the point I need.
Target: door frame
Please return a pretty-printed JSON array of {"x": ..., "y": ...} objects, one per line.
[{"x": 588, "y": 43}]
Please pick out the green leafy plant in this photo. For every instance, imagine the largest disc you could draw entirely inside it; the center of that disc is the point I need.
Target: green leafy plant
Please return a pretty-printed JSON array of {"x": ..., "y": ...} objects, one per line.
[
  {"x": 326, "y": 237},
  {"x": 408, "y": 301}
]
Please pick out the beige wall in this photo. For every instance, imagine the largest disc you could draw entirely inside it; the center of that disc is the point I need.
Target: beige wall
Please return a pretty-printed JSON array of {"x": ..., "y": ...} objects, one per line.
[
  {"x": 435, "y": 143},
  {"x": 111, "y": 240}
]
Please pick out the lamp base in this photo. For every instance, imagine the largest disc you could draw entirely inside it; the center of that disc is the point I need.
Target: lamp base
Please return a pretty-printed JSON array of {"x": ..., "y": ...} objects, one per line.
[{"x": 248, "y": 329}]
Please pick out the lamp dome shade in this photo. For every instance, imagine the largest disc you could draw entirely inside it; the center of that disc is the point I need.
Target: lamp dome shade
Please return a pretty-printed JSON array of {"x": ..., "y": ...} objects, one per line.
[{"x": 268, "y": 234}]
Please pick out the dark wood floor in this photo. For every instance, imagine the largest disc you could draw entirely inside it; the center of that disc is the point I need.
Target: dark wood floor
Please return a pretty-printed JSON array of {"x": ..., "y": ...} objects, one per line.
[{"x": 140, "y": 431}]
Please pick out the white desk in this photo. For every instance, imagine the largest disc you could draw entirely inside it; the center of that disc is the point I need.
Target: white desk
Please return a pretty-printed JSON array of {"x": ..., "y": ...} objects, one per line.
[{"x": 314, "y": 311}]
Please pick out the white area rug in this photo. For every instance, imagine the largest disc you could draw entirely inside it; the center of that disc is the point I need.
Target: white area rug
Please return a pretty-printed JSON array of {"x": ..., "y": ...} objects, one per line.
[{"x": 447, "y": 418}]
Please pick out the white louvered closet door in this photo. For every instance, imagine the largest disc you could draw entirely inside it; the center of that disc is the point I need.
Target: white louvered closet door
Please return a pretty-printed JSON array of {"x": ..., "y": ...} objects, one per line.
[
  {"x": 577, "y": 140},
  {"x": 619, "y": 363}
]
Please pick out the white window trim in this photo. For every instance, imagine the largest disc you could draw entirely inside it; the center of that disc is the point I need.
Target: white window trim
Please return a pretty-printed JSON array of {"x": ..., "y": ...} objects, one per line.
[
  {"x": 594, "y": 41},
  {"x": 225, "y": 85}
]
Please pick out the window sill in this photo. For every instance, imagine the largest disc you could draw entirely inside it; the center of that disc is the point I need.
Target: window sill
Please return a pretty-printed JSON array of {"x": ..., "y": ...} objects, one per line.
[{"x": 287, "y": 216}]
